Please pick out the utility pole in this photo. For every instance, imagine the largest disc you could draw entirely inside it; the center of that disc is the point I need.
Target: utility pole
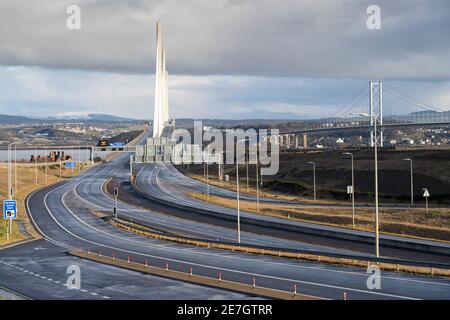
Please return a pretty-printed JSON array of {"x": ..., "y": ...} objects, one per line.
[
  {"x": 353, "y": 189},
  {"x": 412, "y": 181}
]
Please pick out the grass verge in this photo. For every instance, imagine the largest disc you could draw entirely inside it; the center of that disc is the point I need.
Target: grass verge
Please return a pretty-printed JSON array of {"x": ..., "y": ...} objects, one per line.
[
  {"x": 25, "y": 183},
  {"x": 417, "y": 223}
]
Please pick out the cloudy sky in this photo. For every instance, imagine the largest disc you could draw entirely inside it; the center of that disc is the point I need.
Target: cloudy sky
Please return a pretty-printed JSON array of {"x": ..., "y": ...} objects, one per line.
[{"x": 226, "y": 59}]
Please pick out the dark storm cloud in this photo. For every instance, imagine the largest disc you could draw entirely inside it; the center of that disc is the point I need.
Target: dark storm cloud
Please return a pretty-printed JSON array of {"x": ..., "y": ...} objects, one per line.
[{"x": 282, "y": 38}]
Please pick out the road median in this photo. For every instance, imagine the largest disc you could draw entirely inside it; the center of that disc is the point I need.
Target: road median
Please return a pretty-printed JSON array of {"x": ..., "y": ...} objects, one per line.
[
  {"x": 190, "y": 277},
  {"x": 383, "y": 264}
]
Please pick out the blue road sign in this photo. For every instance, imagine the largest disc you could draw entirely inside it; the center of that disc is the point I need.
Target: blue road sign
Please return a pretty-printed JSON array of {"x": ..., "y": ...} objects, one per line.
[
  {"x": 9, "y": 209},
  {"x": 71, "y": 164},
  {"x": 117, "y": 144}
]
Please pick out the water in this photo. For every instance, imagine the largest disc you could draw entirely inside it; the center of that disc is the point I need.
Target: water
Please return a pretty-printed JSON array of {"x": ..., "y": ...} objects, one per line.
[{"x": 25, "y": 155}]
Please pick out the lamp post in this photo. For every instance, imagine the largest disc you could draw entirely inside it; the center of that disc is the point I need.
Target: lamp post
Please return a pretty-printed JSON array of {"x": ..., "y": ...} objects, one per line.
[
  {"x": 377, "y": 238},
  {"x": 206, "y": 169},
  {"x": 45, "y": 165},
  {"x": 314, "y": 177},
  {"x": 247, "y": 158},
  {"x": 257, "y": 183},
  {"x": 353, "y": 188},
  {"x": 79, "y": 160},
  {"x": 60, "y": 166},
  {"x": 72, "y": 156},
  {"x": 412, "y": 180},
  {"x": 237, "y": 191},
  {"x": 15, "y": 169},
  {"x": 257, "y": 178},
  {"x": 35, "y": 165},
  {"x": 10, "y": 191}
]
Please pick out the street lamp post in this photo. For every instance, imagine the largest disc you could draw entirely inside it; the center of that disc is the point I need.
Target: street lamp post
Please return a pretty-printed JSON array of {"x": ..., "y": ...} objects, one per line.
[
  {"x": 412, "y": 181},
  {"x": 353, "y": 188},
  {"x": 377, "y": 238},
  {"x": 237, "y": 197},
  {"x": 79, "y": 160},
  {"x": 237, "y": 191},
  {"x": 314, "y": 177},
  {"x": 45, "y": 165},
  {"x": 207, "y": 176},
  {"x": 206, "y": 170},
  {"x": 72, "y": 156},
  {"x": 60, "y": 166},
  {"x": 36, "y": 166},
  {"x": 15, "y": 169},
  {"x": 257, "y": 178},
  {"x": 257, "y": 183},
  {"x": 247, "y": 161},
  {"x": 10, "y": 191}
]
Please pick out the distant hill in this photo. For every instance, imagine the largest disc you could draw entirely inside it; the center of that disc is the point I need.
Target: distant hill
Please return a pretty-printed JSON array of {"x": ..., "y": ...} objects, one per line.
[
  {"x": 6, "y": 119},
  {"x": 108, "y": 118},
  {"x": 430, "y": 113},
  {"x": 92, "y": 117}
]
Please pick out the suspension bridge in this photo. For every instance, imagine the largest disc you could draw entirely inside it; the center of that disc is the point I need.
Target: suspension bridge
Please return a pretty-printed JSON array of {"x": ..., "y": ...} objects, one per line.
[{"x": 375, "y": 104}]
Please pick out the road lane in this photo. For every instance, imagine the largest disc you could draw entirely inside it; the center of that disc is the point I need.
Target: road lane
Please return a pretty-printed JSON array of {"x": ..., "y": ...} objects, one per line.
[{"x": 51, "y": 211}]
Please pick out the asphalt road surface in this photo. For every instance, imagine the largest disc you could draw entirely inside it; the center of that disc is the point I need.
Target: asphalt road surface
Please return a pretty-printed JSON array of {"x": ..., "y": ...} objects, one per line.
[
  {"x": 164, "y": 182},
  {"x": 62, "y": 214}
]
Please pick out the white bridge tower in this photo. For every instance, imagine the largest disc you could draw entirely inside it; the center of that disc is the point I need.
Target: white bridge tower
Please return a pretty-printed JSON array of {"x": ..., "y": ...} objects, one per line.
[{"x": 161, "y": 111}]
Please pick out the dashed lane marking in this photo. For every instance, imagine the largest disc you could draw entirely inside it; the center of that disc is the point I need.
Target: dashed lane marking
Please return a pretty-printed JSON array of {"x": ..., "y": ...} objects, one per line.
[{"x": 50, "y": 279}]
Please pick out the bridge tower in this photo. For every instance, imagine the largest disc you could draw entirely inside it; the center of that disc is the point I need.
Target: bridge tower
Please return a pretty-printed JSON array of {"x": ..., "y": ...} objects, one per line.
[
  {"x": 376, "y": 111},
  {"x": 161, "y": 110}
]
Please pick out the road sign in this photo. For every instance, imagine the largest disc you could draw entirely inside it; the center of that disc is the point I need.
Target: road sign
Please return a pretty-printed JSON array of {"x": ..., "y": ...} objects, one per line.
[
  {"x": 349, "y": 189},
  {"x": 103, "y": 143},
  {"x": 71, "y": 164},
  {"x": 426, "y": 193},
  {"x": 9, "y": 209},
  {"x": 117, "y": 144}
]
